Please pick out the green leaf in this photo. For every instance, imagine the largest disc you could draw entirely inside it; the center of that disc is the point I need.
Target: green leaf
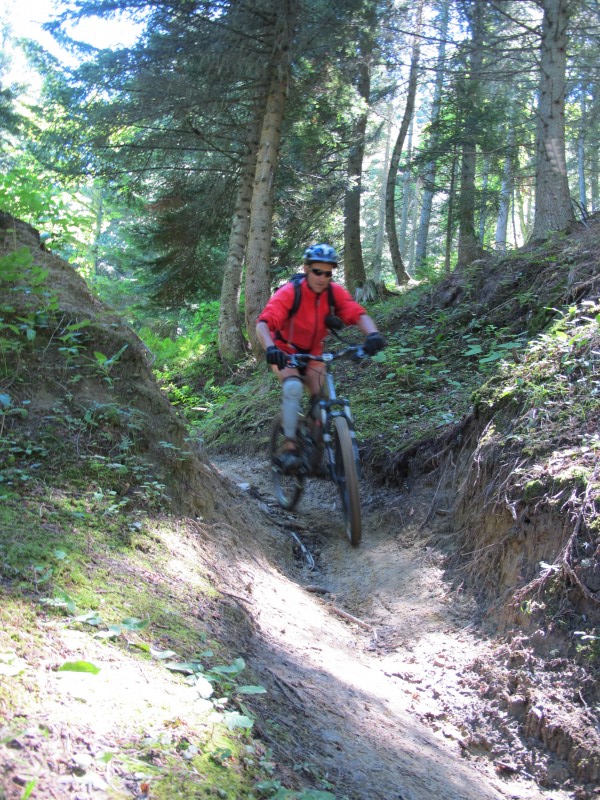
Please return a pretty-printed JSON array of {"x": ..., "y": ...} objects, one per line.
[
  {"x": 251, "y": 690},
  {"x": 29, "y": 787},
  {"x": 190, "y": 667},
  {"x": 134, "y": 624},
  {"x": 76, "y": 326},
  {"x": 232, "y": 669},
  {"x": 61, "y": 600},
  {"x": 474, "y": 350},
  {"x": 91, "y": 618},
  {"x": 493, "y": 356},
  {"x": 162, "y": 654},
  {"x": 113, "y": 359},
  {"x": 79, "y": 666},
  {"x": 111, "y": 633},
  {"x": 233, "y": 720}
]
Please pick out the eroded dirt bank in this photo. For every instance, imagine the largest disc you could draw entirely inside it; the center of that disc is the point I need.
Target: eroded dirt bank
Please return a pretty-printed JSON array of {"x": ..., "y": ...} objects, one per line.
[{"x": 376, "y": 666}]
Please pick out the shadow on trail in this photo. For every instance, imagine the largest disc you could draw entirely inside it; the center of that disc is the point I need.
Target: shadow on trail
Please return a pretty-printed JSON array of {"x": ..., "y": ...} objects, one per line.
[{"x": 333, "y": 711}]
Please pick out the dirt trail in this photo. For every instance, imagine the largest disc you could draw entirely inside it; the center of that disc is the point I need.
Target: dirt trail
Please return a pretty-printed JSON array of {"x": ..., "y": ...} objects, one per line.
[{"x": 375, "y": 702}]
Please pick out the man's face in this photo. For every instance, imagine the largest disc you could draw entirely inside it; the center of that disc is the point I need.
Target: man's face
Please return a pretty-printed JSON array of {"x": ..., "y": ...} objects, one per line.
[{"x": 318, "y": 282}]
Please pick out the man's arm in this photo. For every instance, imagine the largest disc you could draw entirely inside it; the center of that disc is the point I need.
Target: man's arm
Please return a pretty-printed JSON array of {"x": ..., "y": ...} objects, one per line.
[
  {"x": 264, "y": 334},
  {"x": 374, "y": 341},
  {"x": 275, "y": 356},
  {"x": 366, "y": 324}
]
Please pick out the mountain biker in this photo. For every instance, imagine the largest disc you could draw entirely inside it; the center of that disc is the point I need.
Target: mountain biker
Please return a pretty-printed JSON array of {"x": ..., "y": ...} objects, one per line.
[{"x": 283, "y": 330}]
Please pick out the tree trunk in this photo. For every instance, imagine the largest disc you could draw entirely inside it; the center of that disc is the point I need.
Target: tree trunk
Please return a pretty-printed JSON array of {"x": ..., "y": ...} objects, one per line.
[
  {"x": 430, "y": 170},
  {"x": 581, "y": 152},
  {"x": 485, "y": 179},
  {"x": 378, "y": 256},
  {"x": 232, "y": 345},
  {"x": 261, "y": 207},
  {"x": 407, "y": 193},
  {"x": 354, "y": 267},
  {"x": 593, "y": 155},
  {"x": 450, "y": 220},
  {"x": 506, "y": 188},
  {"x": 469, "y": 248},
  {"x": 402, "y": 275},
  {"x": 553, "y": 209}
]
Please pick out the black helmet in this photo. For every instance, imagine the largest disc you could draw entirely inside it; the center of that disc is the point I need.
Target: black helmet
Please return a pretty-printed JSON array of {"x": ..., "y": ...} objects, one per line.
[{"x": 320, "y": 252}]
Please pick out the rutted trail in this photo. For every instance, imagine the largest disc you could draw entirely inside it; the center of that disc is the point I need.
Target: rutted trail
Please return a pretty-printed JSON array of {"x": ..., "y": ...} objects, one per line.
[{"x": 366, "y": 648}]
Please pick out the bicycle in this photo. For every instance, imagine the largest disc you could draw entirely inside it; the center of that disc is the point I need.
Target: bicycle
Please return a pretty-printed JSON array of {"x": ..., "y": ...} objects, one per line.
[{"x": 327, "y": 426}]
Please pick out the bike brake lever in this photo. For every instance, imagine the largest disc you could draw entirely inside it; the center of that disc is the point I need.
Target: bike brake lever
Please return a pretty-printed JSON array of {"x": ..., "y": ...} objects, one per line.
[{"x": 359, "y": 353}]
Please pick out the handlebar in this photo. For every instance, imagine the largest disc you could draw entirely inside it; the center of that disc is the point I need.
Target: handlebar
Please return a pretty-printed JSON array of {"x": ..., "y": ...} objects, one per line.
[{"x": 355, "y": 351}]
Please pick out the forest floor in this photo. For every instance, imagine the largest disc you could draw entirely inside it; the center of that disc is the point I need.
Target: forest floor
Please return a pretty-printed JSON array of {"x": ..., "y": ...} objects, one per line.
[
  {"x": 384, "y": 679},
  {"x": 380, "y": 678},
  {"x": 383, "y": 667}
]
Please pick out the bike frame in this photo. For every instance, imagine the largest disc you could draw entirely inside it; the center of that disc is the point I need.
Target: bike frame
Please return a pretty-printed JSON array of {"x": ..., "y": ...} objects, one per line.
[
  {"x": 330, "y": 405},
  {"x": 336, "y": 435}
]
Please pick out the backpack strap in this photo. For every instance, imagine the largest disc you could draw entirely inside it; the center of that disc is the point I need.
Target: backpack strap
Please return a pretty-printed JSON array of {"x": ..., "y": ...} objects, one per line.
[
  {"x": 296, "y": 280},
  {"x": 331, "y": 299}
]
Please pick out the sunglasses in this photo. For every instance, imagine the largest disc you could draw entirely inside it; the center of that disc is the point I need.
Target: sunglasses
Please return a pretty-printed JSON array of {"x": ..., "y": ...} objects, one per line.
[{"x": 320, "y": 272}]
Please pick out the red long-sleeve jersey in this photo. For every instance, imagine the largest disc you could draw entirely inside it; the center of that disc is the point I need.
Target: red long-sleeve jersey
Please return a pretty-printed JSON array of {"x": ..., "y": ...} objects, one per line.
[{"x": 306, "y": 329}]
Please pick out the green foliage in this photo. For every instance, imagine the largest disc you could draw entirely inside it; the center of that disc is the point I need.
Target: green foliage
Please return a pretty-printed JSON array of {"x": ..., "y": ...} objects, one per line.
[
  {"x": 40, "y": 559},
  {"x": 195, "y": 339},
  {"x": 588, "y": 646},
  {"x": 37, "y": 199},
  {"x": 188, "y": 364}
]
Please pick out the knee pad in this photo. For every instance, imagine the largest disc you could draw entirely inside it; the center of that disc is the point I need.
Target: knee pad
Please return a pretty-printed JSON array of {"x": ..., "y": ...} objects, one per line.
[
  {"x": 290, "y": 406},
  {"x": 292, "y": 389}
]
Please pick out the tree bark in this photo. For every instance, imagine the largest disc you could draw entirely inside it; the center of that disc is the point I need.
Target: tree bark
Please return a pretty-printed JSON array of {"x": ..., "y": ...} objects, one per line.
[
  {"x": 581, "y": 151},
  {"x": 261, "y": 208},
  {"x": 553, "y": 209},
  {"x": 402, "y": 275},
  {"x": 232, "y": 345},
  {"x": 450, "y": 220},
  {"x": 469, "y": 248},
  {"x": 430, "y": 170},
  {"x": 378, "y": 255},
  {"x": 354, "y": 267},
  {"x": 506, "y": 189},
  {"x": 407, "y": 194}
]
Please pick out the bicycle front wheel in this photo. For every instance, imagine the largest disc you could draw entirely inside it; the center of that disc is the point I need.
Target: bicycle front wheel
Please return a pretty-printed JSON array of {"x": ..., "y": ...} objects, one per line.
[
  {"x": 287, "y": 487},
  {"x": 347, "y": 479}
]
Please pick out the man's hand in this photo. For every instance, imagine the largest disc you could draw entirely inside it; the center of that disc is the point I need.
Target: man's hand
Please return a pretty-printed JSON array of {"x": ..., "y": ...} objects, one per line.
[
  {"x": 277, "y": 357},
  {"x": 374, "y": 343}
]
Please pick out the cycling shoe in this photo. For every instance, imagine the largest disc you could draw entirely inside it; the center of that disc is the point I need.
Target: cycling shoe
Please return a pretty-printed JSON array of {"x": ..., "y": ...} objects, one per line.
[{"x": 288, "y": 462}]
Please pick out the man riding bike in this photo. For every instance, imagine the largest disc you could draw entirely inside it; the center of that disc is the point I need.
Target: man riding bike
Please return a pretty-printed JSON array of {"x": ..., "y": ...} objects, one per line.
[{"x": 295, "y": 321}]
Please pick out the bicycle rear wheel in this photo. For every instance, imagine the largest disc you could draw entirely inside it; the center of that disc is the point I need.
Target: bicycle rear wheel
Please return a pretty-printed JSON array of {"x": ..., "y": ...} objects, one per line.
[
  {"x": 287, "y": 488},
  {"x": 347, "y": 479}
]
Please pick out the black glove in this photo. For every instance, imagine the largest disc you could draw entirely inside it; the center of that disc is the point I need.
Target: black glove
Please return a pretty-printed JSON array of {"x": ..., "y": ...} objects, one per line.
[
  {"x": 277, "y": 357},
  {"x": 374, "y": 343}
]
